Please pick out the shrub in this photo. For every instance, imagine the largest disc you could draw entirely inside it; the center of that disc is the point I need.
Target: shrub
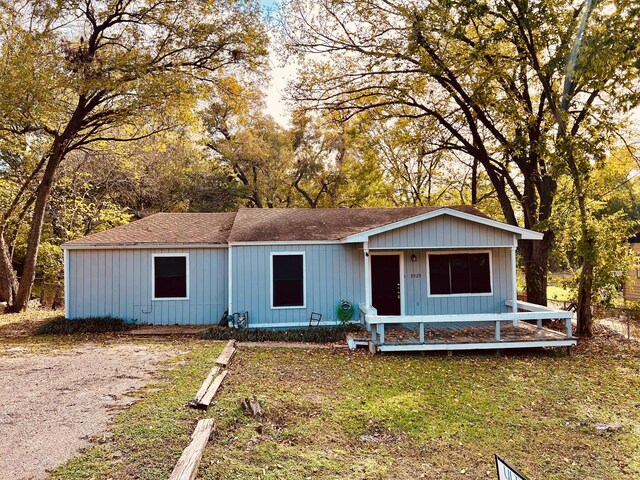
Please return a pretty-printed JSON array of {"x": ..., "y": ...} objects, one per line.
[
  {"x": 65, "y": 326},
  {"x": 310, "y": 335}
]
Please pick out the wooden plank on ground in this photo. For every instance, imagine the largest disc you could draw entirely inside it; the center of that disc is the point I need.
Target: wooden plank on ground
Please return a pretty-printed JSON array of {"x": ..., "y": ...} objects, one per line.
[
  {"x": 187, "y": 466},
  {"x": 225, "y": 357},
  {"x": 205, "y": 386},
  {"x": 212, "y": 390}
]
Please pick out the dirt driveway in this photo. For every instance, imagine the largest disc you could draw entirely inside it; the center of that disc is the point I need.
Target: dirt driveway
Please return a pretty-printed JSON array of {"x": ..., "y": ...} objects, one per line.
[{"x": 52, "y": 404}]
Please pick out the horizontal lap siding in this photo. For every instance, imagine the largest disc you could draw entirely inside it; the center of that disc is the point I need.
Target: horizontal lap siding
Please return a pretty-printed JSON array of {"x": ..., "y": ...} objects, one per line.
[
  {"x": 118, "y": 283},
  {"x": 443, "y": 232},
  {"x": 333, "y": 273},
  {"x": 418, "y": 303}
]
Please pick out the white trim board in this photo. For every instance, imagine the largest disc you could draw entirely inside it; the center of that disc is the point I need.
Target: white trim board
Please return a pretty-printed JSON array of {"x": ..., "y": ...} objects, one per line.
[
  {"x": 153, "y": 276},
  {"x": 285, "y": 242},
  {"x": 67, "y": 301},
  {"x": 304, "y": 280},
  {"x": 150, "y": 246},
  {"x": 305, "y": 324},
  {"x": 523, "y": 233},
  {"x": 230, "y": 281},
  {"x": 475, "y": 346},
  {"x": 442, "y": 247}
]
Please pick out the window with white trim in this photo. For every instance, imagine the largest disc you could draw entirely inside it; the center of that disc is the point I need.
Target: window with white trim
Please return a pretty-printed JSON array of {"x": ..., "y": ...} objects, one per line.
[
  {"x": 459, "y": 273},
  {"x": 287, "y": 282},
  {"x": 170, "y": 276}
]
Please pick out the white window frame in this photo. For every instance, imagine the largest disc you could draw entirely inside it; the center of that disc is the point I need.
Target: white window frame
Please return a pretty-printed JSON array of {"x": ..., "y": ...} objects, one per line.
[
  {"x": 458, "y": 252},
  {"x": 304, "y": 280},
  {"x": 153, "y": 275}
]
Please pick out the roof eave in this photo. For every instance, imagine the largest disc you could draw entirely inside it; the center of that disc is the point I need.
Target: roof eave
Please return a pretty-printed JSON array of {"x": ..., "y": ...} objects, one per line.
[
  {"x": 521, "y": 233},
  {"x": 138, "y": 245}
]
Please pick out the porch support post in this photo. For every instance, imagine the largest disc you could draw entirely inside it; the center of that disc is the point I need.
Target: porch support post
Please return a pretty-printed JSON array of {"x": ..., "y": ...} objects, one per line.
[
  {"x": 497, "y": 330},
  {"x": 421, "y": 332},
  {"x": 367, "y": 274},
  {"x": 381, "y": 333},
  {"x": 568, "y": 323},
  {"x": 514, "y": 274}
]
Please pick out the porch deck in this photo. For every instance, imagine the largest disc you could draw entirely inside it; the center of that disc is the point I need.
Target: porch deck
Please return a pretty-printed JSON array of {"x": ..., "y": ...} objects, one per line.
[{"x": 468, "y": 332}]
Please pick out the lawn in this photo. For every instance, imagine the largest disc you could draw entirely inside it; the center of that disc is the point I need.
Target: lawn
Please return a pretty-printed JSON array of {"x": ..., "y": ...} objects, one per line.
[{"x": 352, "y": 415}]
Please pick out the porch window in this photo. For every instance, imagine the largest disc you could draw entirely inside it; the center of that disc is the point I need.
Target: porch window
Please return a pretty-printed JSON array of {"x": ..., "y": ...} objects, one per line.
[
  {"x": 459, "y": 273},
  {"x": 170, "y": 276},
  {"x": 287, "y": 280}
]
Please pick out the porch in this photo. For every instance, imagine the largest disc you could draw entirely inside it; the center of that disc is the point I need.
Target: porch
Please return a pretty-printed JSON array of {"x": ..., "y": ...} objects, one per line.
[{"x": 514, "y": 329}]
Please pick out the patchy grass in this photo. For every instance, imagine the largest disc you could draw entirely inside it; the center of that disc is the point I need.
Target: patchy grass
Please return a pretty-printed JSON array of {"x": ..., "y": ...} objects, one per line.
[
  {"x": 310, "y": 335},
  {"x": 24, "y": 324},
  {"x": 146, "y": 440},
  {"x": 32, "y": 315},
  {"x": 63, "y": 326},
  {"x": 351, "y": 415}
]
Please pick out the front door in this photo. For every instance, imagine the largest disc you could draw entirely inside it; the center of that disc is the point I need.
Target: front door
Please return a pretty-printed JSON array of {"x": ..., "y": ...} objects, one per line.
[{"x": 385, "y": 284}]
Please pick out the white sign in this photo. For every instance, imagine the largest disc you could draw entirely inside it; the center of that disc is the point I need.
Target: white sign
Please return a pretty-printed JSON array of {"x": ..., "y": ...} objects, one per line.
[{"x": 507, "y": 472}]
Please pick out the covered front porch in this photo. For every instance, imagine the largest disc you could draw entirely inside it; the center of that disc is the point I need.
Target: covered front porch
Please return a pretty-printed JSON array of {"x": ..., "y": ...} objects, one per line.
[
  {"x": 449, "y": 282},
  {"x": 521, "y": 329}
]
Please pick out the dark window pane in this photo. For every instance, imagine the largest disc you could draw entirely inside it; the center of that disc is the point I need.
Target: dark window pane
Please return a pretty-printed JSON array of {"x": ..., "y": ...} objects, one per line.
[
  {"x": 460, "y": 278},
  {"x": 288, "y": 281},
  {"x": 459, "y": 273},
  {"x": 480, "y": 273},
  {"x": 439, "y": 274},
  {"x": 170, "y": 277}
]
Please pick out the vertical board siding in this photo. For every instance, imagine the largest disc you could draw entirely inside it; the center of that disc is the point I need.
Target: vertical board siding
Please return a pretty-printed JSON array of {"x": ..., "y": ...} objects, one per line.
[
  {"x": 443, "y": 232},
  {"x": 418, "y": 303},
  {"x": 117, "y": 283},
  {"x": 333, "y": 273}
]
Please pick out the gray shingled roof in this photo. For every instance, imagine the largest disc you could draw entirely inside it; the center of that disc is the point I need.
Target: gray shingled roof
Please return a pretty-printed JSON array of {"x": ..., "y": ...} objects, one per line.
[
  {"x": 172, "y": 228},
  {"x": 306, "y": 224},
  {"x": 256, "y": 225}
]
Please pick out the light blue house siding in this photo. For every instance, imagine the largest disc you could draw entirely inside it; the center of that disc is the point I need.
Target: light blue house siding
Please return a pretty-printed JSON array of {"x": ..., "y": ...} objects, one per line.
[
  {"x": 447, "y": 233},
  {"x": 415, "y": 287},
  {"x": 117, "y": 282},
  {"x": 443, "y": 232},
  {"x": 333, "y": 273}
]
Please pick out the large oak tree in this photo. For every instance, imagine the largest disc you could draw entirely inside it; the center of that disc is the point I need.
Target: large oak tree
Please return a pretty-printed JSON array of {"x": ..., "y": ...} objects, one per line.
[
  {"x": 495, "y": 75},
  {"x": 78, "y": 73}
]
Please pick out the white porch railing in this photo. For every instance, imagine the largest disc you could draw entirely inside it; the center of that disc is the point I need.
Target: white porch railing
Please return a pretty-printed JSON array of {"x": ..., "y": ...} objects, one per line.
[{"x": 376, "y": 323}]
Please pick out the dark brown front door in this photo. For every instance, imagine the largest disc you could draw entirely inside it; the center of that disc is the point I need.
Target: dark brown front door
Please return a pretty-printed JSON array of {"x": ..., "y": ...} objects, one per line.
[{"x": 385, "y": 284}]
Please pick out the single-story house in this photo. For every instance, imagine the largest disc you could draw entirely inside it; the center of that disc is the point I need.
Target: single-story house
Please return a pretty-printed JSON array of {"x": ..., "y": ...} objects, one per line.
[{"x": 416, "y": 270}]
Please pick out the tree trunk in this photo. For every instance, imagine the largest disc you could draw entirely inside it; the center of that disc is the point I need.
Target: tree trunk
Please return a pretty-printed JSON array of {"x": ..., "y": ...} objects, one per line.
[
  {"x": 589, "y": 254},
  {"x": 8, "y": 280},
  {"x": 23, "y": 295},
  {"x": 535, "y": 255},
  {"x": 585, "y": 287}
]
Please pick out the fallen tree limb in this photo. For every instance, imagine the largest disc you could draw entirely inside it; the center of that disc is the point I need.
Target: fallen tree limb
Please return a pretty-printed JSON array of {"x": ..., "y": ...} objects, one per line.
[{"x": 252, "y": 406}]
